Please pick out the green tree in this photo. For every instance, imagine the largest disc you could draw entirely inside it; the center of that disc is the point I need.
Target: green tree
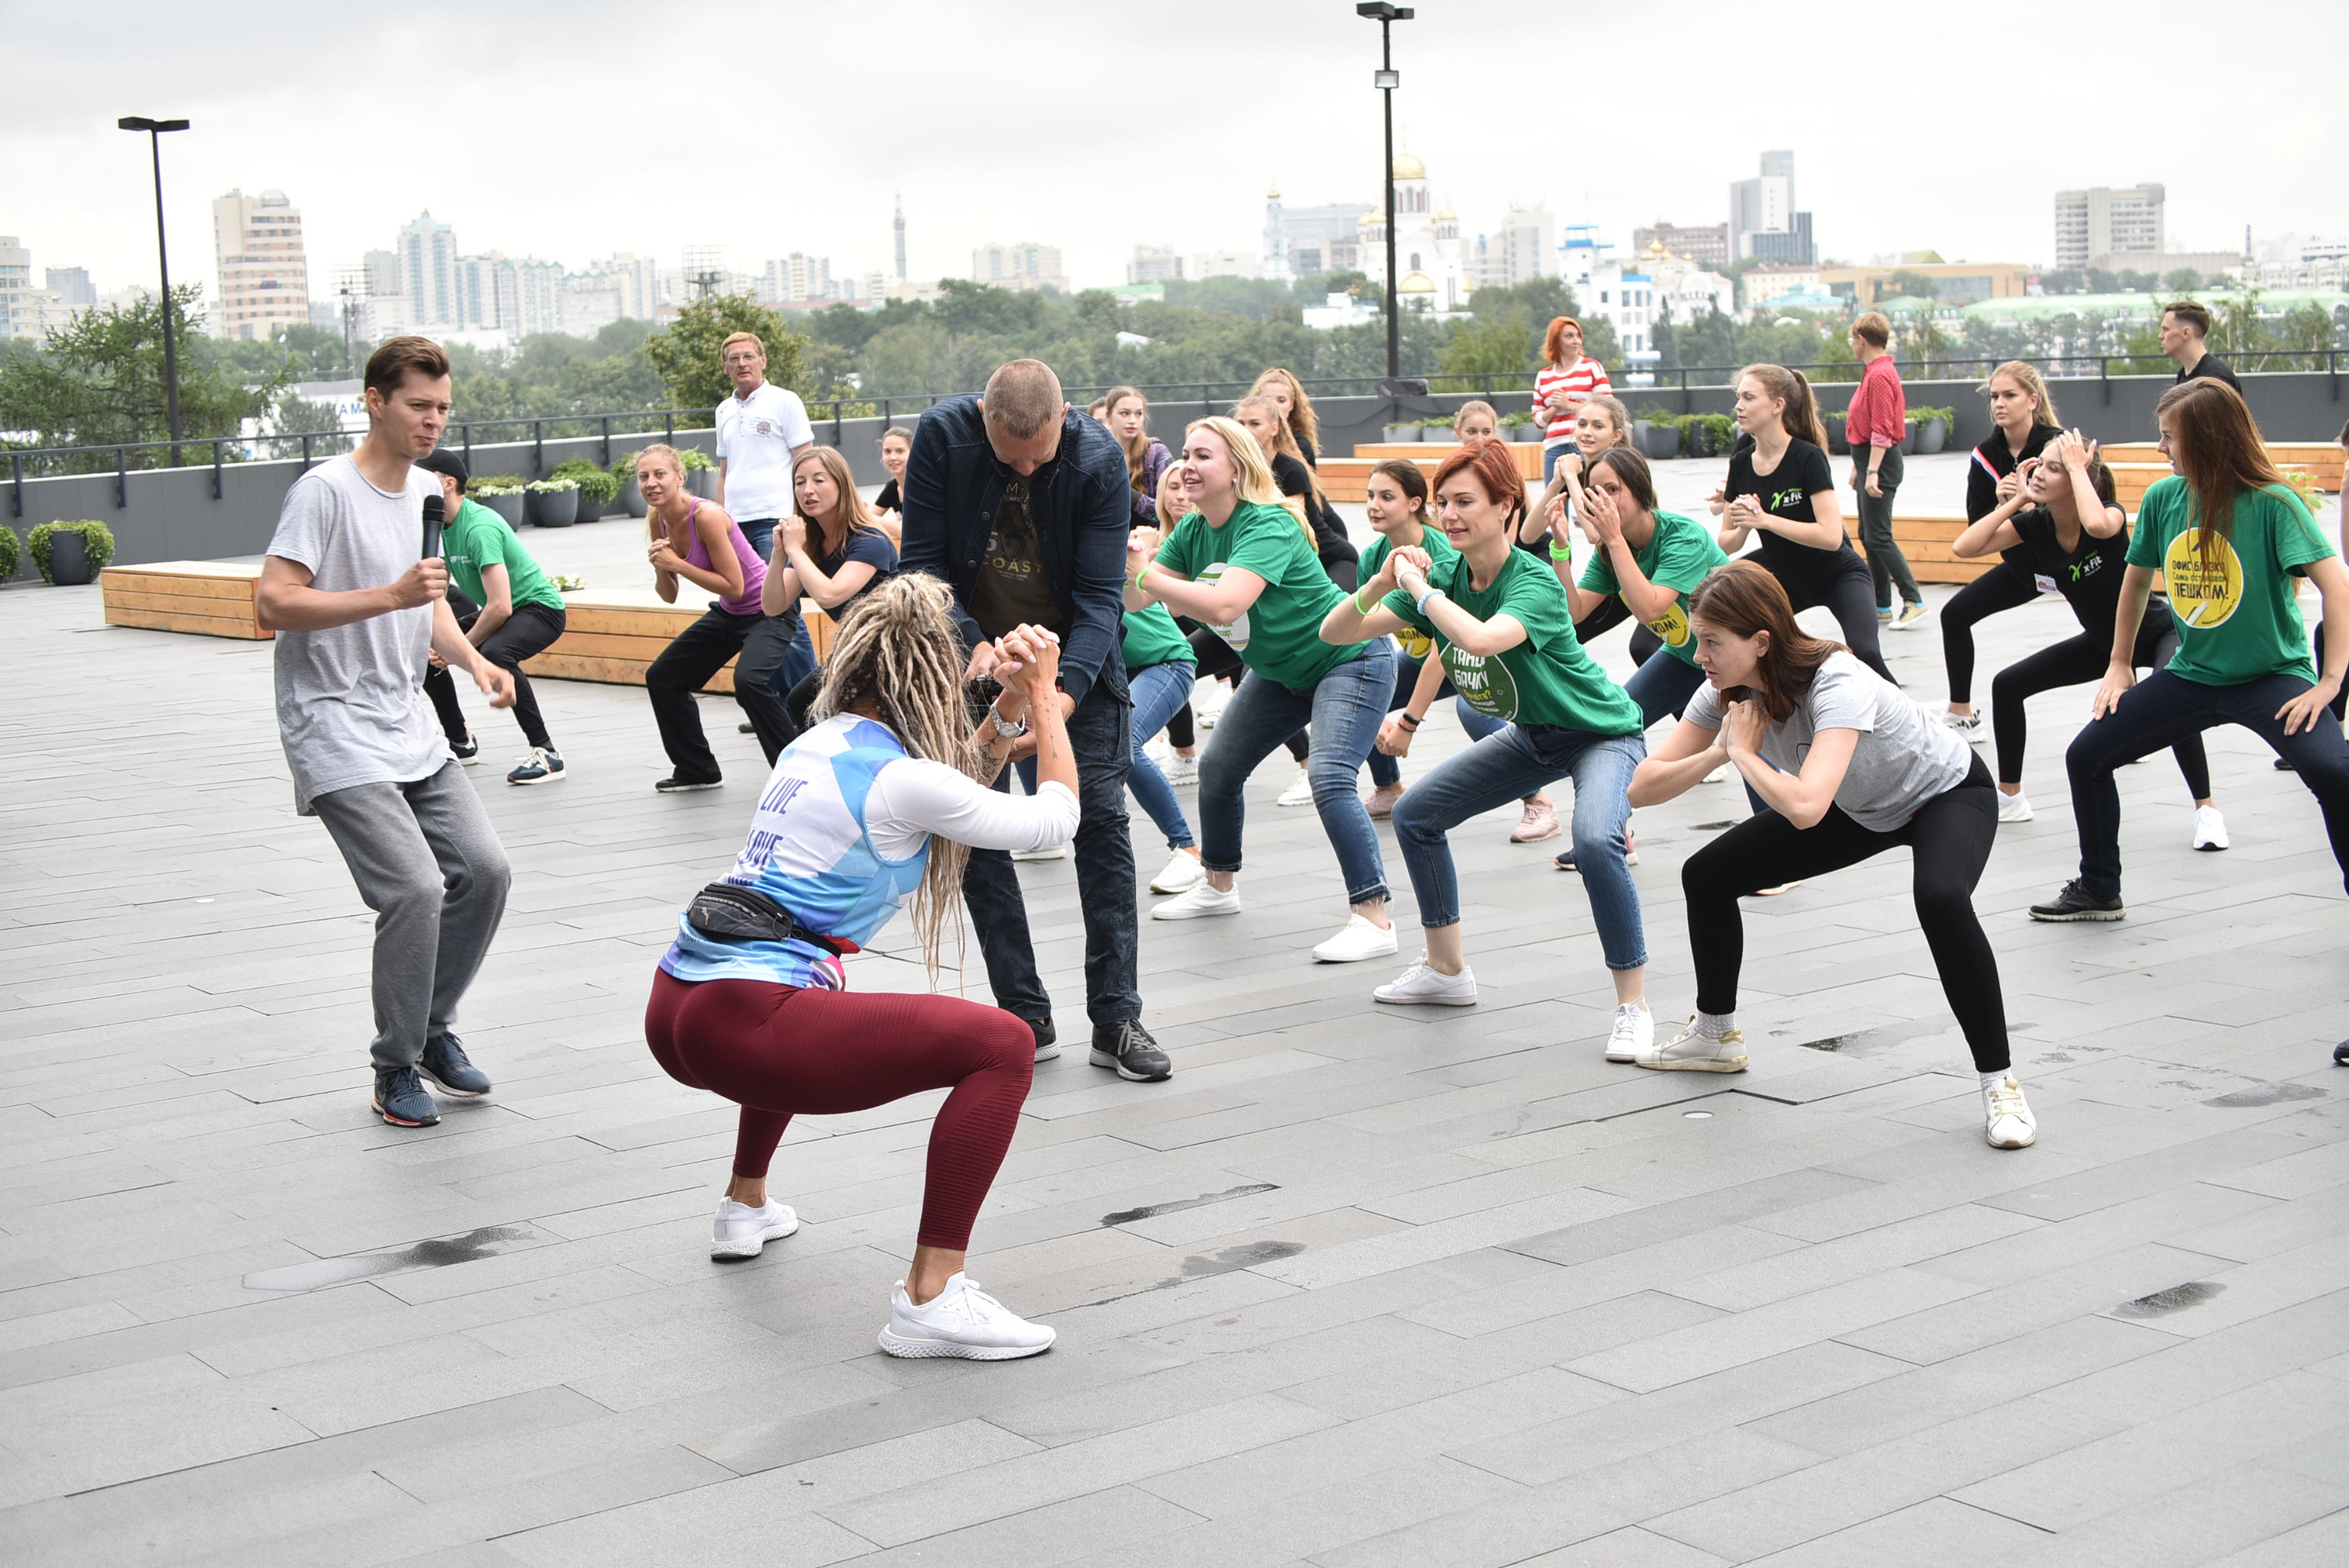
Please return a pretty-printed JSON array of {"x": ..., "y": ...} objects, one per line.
[
  {"x": 1915, "y": 285},
  {"x": 2184, "y": 280},
  {"x": 686, "y": 357}
]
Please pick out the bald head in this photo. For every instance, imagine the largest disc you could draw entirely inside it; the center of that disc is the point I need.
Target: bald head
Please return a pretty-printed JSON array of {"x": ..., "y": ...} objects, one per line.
[{"x": 1022, "y": 407}]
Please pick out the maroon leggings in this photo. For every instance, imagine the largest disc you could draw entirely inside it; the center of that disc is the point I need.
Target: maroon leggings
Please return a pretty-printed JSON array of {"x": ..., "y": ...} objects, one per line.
[{"x": 778, "y": 1051}]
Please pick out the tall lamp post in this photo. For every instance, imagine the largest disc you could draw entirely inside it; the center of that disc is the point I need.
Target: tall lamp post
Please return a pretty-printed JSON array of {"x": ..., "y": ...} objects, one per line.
[
  {"x": 155, "y": 130},
  {"x": 1386, "y": 79}
]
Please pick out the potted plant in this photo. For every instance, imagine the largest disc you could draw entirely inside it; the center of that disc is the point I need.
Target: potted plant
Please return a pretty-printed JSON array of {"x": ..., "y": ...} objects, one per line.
[
  {"x": 632, "y": 495},
  {"x": 1657, "y": 434},
  {"x": 502, "y": 494},
  {"x": 1526, "y": 428},
  {"x": 1909, "y": 438},
  {"x": 1720, "y": 433},
  {"x": 1838, "y": 442},
  {"x": 69, "y": 552},
  {"x": 596, "y": 488},
  {"x": 1397, "y": 433},
  {"x": 9, "y": 557},
  {"x": 1933, "y": 428},
  {"x": 552, "y": 503},
  {"x": 701, "y": 472}
]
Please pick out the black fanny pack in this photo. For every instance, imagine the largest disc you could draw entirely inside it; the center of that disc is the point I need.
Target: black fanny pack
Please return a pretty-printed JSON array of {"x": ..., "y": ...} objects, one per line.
[{"x": 727, "y": 911}]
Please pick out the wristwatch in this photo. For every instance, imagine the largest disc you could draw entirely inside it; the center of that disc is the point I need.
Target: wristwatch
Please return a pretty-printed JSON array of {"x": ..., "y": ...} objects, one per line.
[{"x": 1007, "y": 731}]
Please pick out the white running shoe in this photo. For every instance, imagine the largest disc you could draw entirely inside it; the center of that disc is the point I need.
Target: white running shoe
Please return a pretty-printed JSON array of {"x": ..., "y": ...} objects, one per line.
[
  {"x": 1057, "y": 852},
  {"x": 1201, "y": 901},
  {"x": 1298, "y": 793},
  {"x": 2007, "y": 1121},
  {"x": 1718, "y": 774},
  {"x": 1689, "y": 1052},
  {"x": 1968, "y": 725},
  {"x": 1424, "y": 986},
  {"x": 2209, "y": 829},
  {"x": 961, "y": 1320},
  {"x": 1357, "y": 941},
  {"x": 2016, "y": 808},
  {"x": 1180, "y": 769},
  {"x": 1634, "y": 1031},
  {"x": 739, "y": 1231},
  {"x": 1780, "y": 891},
  {"x": 1182, "y": 873}
]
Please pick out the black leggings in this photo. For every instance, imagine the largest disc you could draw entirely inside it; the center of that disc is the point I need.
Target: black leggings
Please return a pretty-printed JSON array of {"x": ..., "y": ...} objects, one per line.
[
  {"x": 1851, "y": 598},
  {"x": 1611, "y": 614},
  {"x": 2002, "y": 587},
  {"x": 1950, "y": 836},
  {"x": 527, "y": 633},
  {"x": 2075, "y": 661}
]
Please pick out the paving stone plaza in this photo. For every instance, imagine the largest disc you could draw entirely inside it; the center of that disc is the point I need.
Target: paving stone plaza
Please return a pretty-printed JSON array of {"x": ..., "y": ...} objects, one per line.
[{"x": 1358, "y": 1288}]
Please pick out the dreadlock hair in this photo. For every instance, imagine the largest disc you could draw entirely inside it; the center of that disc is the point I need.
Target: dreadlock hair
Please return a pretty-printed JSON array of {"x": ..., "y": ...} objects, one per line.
[{"x": 898, "y": 652}]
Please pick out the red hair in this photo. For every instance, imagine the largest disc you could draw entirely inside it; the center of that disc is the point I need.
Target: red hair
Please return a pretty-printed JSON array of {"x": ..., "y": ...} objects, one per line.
[
  {"x": 1496, "y": 471},
  {"x": 1558, "y": 325}
]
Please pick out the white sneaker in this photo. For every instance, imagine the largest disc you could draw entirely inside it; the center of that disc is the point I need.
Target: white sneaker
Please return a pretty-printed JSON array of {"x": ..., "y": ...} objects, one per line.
[
  {"x": 2007, "y": 1121},
  {"x": 1182, "y": 872},
  {"x": 1299, "y": 793},
  {"x": 2209, "y": 829},
  {"x": 739, "y": 1231},
  {"x": 1718, "y": 774},
  {"x": 1357, "y": 941},
  {"x": 1689, "y": 1052},
  {"x": 1057, "y": 852},
  {"x": 2016, "y": 808},
  {"x": 961, "y": 1320},
  {"x": 1201, "y": 901},
  {"x": 1780, "y": 891},
  {"x": 1634, "y": 1031},
  {"x": 1968, "y": 725},
  {"x": 1180, "y": 769},
  {"x": 1424, "y": 986}
]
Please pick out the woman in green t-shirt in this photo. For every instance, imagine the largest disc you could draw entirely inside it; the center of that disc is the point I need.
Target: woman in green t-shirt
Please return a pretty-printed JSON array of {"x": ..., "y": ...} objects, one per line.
[
  {"x": 2230, "y": 540},
  {"x": 1245, "y": 567},
  {"x": 1652, "y": 562},
  {"x": 1501, "y": 625}
]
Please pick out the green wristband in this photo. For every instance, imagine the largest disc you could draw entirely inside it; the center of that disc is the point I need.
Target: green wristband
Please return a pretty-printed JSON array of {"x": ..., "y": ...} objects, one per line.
[
  {"x": 1360, "y": 608},
  {"x": 1562, "y": 554}
]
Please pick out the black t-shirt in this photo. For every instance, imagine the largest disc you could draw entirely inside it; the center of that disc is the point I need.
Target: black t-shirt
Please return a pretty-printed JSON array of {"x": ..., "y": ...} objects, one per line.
[
  {"x": 1328, "y": 530},
  {"x": 2211, "y": 365},
  {"x": 2089, "y": 578},
  {"x": 888, "y": 499},
  {"x": 1785, "y": 492},
  {"x": 866, "y": 544}
]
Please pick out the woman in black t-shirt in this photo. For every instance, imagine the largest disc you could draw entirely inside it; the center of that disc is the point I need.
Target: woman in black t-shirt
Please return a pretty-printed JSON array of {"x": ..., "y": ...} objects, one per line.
[
  {"x": 829, "y": 550},
  {"x": 1780, "y": 486},
  {"x": 2022, "y": 416},
  {"x": 2061, "y": 528},
  {"x": 889, "y": 506},
  {"x": 1259, "y": 415}
]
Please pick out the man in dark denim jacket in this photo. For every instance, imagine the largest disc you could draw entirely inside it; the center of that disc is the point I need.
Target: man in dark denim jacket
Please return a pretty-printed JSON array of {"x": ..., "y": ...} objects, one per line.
[{"x": 1022, "y": 504}]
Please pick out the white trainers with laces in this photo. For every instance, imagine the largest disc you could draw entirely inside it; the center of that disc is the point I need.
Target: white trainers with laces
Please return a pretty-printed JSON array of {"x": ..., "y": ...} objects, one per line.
[
  {"x": 1424, "y": 985},
  {"x": 1180, "y": 769},
  {"x": 1203, "y": 900},
  {"x": 1689, "y": 1052},
  {"x": 2014, "y": 807},
  {"x": 739, "y": 1231},
  {"x": 1058, "y": 852},
  {"x": 1720, "y": 773},
  {"x": 1968, "y": 725},
  {"x": 1357, "y": 941},
  {"x": 1180, "y": 875},
  {"x": 2209, "y": 829},
  {"x": 2007, "y": 1121},
  {"x": 961, "y": 1320},
  {"x": 1634, "y": 1031},
  {"x": 1298, "y": 793}
]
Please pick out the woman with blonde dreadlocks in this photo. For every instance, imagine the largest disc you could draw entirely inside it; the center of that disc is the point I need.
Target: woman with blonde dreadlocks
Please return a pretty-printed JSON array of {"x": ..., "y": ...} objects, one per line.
[{"x": 879, "y": 800}]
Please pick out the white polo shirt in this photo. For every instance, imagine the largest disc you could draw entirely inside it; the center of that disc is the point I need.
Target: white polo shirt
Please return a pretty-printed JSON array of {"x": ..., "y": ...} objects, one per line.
[{"x": 756, "y": 437}]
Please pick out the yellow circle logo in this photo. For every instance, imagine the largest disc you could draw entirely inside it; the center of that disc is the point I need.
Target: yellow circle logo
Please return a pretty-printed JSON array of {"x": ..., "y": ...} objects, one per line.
[
  {"x": 2202, "y": 595},
  {"x": 1672, "y": 626},
  {"x": 1415, "y": 643}
]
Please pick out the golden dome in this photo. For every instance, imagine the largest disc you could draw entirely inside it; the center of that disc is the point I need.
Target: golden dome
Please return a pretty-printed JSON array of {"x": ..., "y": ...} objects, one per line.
[
  {"x": 1371, "y": 221},
  {"x": 1416, "y": 282},
  {"x": 1406, "y": 166},
  {"x": 1446, "y": 215}
]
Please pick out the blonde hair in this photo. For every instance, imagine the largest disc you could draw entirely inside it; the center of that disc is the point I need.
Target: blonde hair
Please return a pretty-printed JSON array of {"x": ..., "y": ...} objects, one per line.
[
  {"x": 2025, "y": 374},
  {"x": 1475, "y": 406},
  {"x": 752, "y": 338},
  {"x": 1253, "y": 469},
  {"x": 654, "y": 526},
  {"x": 1612, "y": 406},
  {"x": 1284, "y": 444},
  {"x": 852, "y": 507},
  {"x": 898, "y": 651},
  {"x": 1302, "y": 422},
  {"x": 1171, "y": 474}
]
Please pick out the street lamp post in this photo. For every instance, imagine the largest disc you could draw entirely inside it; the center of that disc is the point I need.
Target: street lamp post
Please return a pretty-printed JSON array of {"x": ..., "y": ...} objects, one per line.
[
  {"x": 1386, "y": 79},
  {"x": 155, "y": 130}
]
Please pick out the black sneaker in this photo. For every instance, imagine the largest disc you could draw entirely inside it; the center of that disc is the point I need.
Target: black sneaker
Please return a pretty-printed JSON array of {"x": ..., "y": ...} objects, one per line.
[
  {"x": 746, "y": 728},
  {"x": 1048, "y": 1038},
  {"x": 2284, "y": 766},
  {"x": 2076, "y": 903},
  {"x": 401, "y": 1100},
  {"x": 1129, "y": 1048},
  {"x": 446, "y": 1064},
  {"x": 673, "y": 785},
  {"x": 2341, "y": 1055},
  {"x": 467, "y": 751}
]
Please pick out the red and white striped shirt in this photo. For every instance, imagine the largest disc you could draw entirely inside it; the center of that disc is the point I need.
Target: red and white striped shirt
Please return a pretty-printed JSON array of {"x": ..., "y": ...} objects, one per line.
[{"x": 1579, "y": 382}]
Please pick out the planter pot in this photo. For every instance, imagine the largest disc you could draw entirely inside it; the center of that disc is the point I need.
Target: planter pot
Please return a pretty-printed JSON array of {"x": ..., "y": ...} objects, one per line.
[
  {"x": 69, "y": 559},
  {"x": 1528, "y": 434},
  {"x": 702, "y": 482},
  {"x": 511, "y": 507},
  {"x": 1658, "y": 442},
  {"x": 1397, "y": 433},
  {"x": 1838, "y": 442},
  {"x": 632, "y": 497},
  {"x": 590, "y": 508},
  {"x": 1931, "y": 438},
  {"x": 1909, "y": 441},
  {"x": 552, "y": 509}
]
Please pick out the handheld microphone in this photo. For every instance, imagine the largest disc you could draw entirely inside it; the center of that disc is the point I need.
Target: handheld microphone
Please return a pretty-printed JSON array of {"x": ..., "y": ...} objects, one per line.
[{"x": 436, "y": 512}]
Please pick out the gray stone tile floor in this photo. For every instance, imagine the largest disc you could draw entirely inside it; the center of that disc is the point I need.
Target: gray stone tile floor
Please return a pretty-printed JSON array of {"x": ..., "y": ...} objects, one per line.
[{"x": 1355, "y": 1287}]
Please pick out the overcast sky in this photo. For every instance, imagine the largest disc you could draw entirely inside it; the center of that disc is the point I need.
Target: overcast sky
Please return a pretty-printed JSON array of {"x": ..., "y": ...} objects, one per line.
[{"x": 570, "y": 130}]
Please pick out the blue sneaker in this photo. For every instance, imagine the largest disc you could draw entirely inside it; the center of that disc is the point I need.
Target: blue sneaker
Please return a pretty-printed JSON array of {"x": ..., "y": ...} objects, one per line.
[
  {"x": 542, "y": 766},
  {"x": 401, "y": 1100},
  {"x": 446, "y": 1064}
]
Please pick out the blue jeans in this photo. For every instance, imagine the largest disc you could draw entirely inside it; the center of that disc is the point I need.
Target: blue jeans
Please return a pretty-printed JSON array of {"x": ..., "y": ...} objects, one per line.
[
  {"x": 1551, "y": 452},
  {"x": 1159, "y": 693},
  {"x": 1508, "y": 767},
  {"x": 1661, "y": 686},
  {"x": 1385, "y": 769},
  {"x": 1345, "y": 708}
]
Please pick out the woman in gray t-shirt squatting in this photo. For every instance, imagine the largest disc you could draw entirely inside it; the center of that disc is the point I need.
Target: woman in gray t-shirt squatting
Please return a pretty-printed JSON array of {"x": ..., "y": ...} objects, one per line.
[{"x": 1849, "y": 768}]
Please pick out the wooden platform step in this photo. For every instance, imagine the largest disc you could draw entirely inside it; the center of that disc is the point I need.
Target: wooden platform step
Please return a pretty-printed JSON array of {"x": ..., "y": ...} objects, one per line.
[
  {"x": 2321, "y": 460},
  {"x": 209, "y": 598}
]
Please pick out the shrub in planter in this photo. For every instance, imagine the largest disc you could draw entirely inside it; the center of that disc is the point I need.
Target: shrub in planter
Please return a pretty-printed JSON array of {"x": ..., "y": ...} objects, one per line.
[
  {"x": 1657, "y": 435},
  {"x": 1838, "y": 442},
  {"x": 1934, "y": 428},
  {"x": 552, "y": 503},
  {"x": 1909, "y": 438},
  {"x": 9, "y": 557},
  {"x": 69, "y": 554},
  {"x": 504, "y": 497},
  {"x": 1395, "y": 434},
  {"x": 632, "y": 494},
  {"x": 1711, "y": 435},
  {"x": 701, "y": 472},
  {"x": 597, "y": 491}
]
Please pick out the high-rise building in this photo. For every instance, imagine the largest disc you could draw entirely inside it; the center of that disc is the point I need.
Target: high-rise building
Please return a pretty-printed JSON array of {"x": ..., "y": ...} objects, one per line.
[
  {"x": 1023, "y": 265},
  {"x": 72, "y": 286},
  {"x": 1525, "y": 247},
  {"x": 477, "y": 291},
  {"x": 16, "y": 287},
  {"x": 796, "y": 278},
  {"x": 382, "y": 269},
  {"x": 1308, "y": 242},
  {"x": 428, "y": 273},
  {"x": 2106, "y": 227},
  {"x": 901, "y": 238},
  {"x": 1765, "y": 206},
  {"x": 1153, "y": 265},
  {"x": 263, "y": 280},
  {"x": 535, "y": 291},
  {"x": 1708, "y": 247},
  {"x": 591, "y": 302}
]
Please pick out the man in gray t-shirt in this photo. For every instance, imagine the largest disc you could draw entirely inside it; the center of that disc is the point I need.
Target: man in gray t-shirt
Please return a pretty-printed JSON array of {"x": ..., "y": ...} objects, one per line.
[{"x": 355, "y": 610}]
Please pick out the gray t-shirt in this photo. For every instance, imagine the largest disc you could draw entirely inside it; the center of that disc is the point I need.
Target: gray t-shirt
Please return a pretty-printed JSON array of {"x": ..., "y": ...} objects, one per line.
[
  {"x": 350, "y": 699},
  {"x": 1903, "y": 758}
]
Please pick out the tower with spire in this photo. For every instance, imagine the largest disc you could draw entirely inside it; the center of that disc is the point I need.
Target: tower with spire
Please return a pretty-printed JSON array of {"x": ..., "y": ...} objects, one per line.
[
  {"x": 1276, "y": 239},
  {"x": 901, "y": 236}
]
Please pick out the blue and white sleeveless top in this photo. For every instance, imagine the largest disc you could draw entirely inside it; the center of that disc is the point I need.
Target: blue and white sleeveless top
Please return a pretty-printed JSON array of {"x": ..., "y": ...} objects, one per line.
[{"x": 809, "y": 852}]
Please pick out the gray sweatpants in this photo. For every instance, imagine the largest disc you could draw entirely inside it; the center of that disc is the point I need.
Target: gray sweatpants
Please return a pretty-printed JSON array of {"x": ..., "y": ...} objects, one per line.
[{"x": 428, "y": 862}]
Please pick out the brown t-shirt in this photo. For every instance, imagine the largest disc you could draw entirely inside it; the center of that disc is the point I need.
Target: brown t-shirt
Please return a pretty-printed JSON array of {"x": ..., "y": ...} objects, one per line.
[{"x": 1011, "y": 589}]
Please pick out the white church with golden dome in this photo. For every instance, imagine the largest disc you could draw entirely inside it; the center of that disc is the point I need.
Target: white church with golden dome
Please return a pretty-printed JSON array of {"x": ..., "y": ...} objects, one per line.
[{"x": 1436, "y": 268}]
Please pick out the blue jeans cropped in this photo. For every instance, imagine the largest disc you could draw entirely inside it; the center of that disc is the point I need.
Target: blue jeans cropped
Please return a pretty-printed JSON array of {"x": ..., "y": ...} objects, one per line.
[
  {"x": 1508, "y": 767},
  {"x": 1159, "y": 693},
  {"x": 1551, "y": 452},
  {"x": 1385, "y": 769},
  {"x": 1662, "y": 686},
  {"x": 1345, "y": 709}
]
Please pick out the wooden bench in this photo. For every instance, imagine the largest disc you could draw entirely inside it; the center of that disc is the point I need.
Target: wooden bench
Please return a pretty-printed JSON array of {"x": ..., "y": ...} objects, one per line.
[
  {"x": 1347, "y": 479},
  {"x": 2321, "y": 460},
  {"x": 610, "y": 638},
  {"x": 1925, "y": 540}
]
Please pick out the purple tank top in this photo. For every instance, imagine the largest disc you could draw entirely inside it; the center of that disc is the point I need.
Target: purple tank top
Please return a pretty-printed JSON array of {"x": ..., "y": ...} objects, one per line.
[{"x": 754, "y": 571}]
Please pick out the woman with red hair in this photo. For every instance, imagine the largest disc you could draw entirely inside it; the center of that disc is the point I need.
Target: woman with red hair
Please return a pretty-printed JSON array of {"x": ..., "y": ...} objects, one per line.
[{"x": 1567, "y": 379}]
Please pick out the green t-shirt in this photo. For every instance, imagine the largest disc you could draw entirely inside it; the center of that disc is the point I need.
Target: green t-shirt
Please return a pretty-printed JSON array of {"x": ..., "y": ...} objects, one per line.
[
  {"x": 1151, "y": 638},
  {"x": 2239, "y": 618},
  {"x": 477, "y": 537},
  {"x": 1548, "y": 678},
  {"x": 1679, "y": 556},
  {"x": 1279, "y": 637},
  {"x": 1432, "y": 539}
]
